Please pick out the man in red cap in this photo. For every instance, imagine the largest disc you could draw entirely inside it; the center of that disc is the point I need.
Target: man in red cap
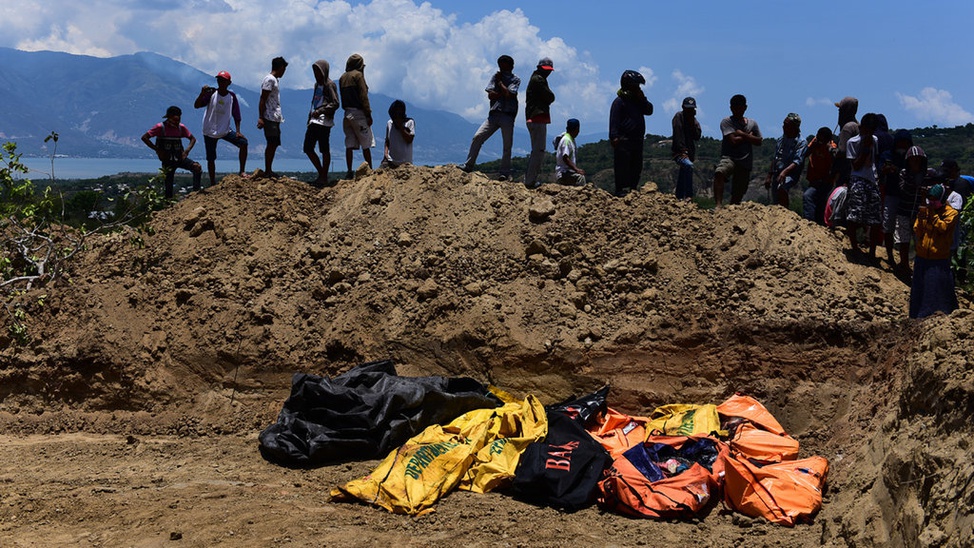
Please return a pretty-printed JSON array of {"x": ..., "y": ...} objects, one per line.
[{"x": 221, "y": 107}]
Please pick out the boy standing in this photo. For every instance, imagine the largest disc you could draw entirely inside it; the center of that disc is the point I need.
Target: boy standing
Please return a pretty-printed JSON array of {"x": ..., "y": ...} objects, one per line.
[
  {"x": 865, "y": 204},
  {"x": 221, "y": 107},
  {"x": 358, "y": 113},
  {"x": 321, "y": 119},
  {"x": 270, "y": 113},
  {"x": 736, "y": 152},
  {"x": 169, "y": 137},
  {"x": 788, "y": 160}
]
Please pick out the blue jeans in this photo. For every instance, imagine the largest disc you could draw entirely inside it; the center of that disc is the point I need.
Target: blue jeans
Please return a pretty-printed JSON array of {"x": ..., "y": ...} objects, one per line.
[
  {"x": 684, "y": 178},
  {"x": 813, "y": 203}
]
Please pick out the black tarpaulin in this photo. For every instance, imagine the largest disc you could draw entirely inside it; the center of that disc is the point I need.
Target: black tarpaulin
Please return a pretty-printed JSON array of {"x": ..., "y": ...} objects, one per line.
[{"x": 363, "y": 413}]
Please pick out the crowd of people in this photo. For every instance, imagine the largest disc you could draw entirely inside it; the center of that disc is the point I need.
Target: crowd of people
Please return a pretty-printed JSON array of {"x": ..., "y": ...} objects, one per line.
[{"x": 876, "y": 184}]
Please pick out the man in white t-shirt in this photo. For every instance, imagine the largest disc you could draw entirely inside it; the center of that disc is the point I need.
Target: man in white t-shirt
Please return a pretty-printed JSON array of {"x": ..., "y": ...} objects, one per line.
[
  {"x": 222, "y": 107},
  {"x": 269, "y": 112},
  {"x": 567, "y": 171}
]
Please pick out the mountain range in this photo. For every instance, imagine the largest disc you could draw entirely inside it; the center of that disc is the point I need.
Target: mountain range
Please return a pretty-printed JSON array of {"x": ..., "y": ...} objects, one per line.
[{"x": 100, "y": 107}]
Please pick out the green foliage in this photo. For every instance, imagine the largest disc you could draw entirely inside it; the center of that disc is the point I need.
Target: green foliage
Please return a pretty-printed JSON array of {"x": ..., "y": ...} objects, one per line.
[{"x": 37, "y": 242}]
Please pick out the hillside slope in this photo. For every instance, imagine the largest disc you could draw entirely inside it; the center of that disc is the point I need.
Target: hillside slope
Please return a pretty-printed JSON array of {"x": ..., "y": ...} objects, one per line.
[{"x": 552, "y": 292}]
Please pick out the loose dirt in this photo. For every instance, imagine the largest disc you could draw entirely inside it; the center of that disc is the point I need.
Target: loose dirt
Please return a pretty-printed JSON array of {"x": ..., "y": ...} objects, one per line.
[{"x": 132, "y": 416}]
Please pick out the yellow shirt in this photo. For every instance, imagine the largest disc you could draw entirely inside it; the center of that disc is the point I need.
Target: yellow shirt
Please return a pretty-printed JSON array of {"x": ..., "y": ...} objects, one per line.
[{"x": 935, "y": 232}]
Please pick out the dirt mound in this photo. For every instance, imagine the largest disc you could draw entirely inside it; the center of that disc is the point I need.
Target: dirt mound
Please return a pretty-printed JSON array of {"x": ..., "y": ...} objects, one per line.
[{"x": 196, "y": 328}]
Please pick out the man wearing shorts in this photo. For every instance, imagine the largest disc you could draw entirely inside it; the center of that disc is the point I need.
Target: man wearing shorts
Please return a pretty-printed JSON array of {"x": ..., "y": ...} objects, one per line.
[
  {"x": 221, "y": 107},
  {"x": 736, "y": 159},
  {"x": 788, "y": 160},
  {"x": 270, "y": 112},
  {"x": 357, "y": 122}
]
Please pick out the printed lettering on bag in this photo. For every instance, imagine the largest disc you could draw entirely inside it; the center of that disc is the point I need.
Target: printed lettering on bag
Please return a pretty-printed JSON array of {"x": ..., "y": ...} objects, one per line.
[
  {"x": 560, "y": 456},
  {"x": 497, "y": 446},
  {"x": 629, "y": 427},
  {"x": 425, "y": 455}
]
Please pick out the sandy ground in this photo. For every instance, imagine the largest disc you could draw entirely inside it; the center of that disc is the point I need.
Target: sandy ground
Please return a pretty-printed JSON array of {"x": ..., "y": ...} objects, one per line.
[{"x": 131, "y": 418}]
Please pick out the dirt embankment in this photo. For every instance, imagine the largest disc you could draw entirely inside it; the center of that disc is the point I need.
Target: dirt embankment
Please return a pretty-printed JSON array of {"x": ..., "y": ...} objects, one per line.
[{"x": 552, "y": 292}]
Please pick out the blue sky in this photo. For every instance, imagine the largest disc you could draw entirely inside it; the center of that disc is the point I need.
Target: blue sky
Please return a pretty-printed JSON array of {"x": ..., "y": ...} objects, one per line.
[{"x": 910, "y": 61}]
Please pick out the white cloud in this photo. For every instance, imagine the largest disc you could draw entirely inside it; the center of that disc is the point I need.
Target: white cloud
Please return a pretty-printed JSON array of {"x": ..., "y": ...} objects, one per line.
[
  {"x": 935, "y": 106},
  {"x": 814, "y": 102},
  {"x": 412, "y": 50},
  {"x": 686, "y": 86}
]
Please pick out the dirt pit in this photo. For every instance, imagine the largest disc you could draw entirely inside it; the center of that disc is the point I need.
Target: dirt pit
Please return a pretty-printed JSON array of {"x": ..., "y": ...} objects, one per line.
[{"x": 131, "y": 418}]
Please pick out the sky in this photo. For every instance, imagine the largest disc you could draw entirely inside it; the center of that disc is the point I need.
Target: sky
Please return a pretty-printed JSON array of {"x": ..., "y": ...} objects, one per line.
[{"x": 908, "y": 60}]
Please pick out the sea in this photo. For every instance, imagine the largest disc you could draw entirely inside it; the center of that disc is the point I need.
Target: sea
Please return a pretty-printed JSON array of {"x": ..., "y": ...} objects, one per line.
[{"x": 92, "y": 168}]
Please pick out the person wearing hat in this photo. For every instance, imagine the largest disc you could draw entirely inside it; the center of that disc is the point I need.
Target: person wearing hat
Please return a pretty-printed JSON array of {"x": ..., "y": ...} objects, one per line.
[
  {"x": 686, "y": 133},
  {"x": 269, "y": 112},
  {"x": 932, "y": 289},
  {"x": 357, "y": 122},
  {"x": 567, "y": 171},
  {"x": 168, "y": 146},
  {"x": 627, "y": 130},
  {"x": 221, "y": 107},
  {"x": 740, "y": 135},
  {"x": 537, "y": 104},
  {"x": 787, "y": 161},
  {"x": 502, "y": 93}
]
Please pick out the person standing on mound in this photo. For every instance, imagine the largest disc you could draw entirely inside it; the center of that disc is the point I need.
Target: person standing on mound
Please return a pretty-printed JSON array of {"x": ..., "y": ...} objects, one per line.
[
  {"x": 740, "y": 135},
  {"x": 357, "y": 123},
  {"x": 537, "y": 111},
  {"x": 221, "y": 107},
  {"x": 269, "y": 110},
  {"x": 627, "y": 131},
  {"x": 169, "y": 137},
  {"x": 321, "y": 118},
  {"x": 502, "y": 93},
  {"x": 932, "y": 289}
]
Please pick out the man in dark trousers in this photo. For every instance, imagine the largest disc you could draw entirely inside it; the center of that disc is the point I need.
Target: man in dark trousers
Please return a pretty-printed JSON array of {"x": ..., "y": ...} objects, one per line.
[
  {"x": 627, "y": 130},
  {"x": 502, "y": 92},
  {"x": 686, "y": 133},
  {"x": 537, "y": 112}
]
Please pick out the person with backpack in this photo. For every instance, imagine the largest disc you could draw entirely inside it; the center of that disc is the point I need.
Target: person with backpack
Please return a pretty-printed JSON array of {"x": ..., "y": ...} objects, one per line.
[
  {"x": 168, "y": 146},
  {"x": 222, "y": 106}
]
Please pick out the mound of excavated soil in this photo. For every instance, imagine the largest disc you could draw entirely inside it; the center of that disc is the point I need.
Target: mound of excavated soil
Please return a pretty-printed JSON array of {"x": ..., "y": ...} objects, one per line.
[{"x": 552, "y": 292}]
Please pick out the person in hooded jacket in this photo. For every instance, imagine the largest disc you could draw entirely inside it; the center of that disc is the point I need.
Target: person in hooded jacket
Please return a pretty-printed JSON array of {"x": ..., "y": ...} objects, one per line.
[
  {"x": 627, "y": 130},
  {"x": 321, "y": 118},
  {"x": 357, "y": 123},
  {"x": 537, "y": 105}
]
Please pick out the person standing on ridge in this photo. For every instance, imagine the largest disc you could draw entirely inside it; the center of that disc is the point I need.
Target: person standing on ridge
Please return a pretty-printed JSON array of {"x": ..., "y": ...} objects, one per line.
[
  {"x": 740, "y": 135},
  {"x": 222, "y": 106},
  {"x": 537, "y": 105},
  {"x": 864, "y": 202},
  {"x": 686, "y": 133},
  {"x": 269, "y": 112},
  {"x": 820, "y": 175},
  {"x": 787, "y": 161},
  {"x": 169, "y": 137},
  {"x": 627, "y": 130},
  {"x": 321, "y": 118},
  {"x": 357, "y": 123},
  {"x": 848, "y": 128},
  {"x": 932, "y": 289},
  {"x": 502, "y": 93}
]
